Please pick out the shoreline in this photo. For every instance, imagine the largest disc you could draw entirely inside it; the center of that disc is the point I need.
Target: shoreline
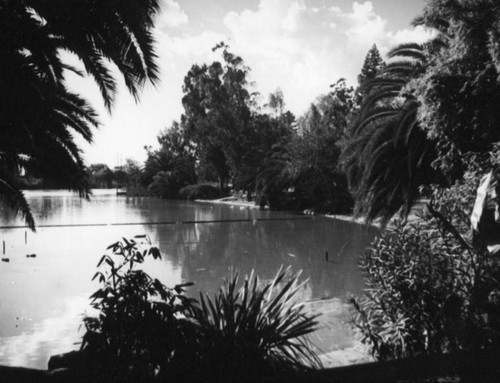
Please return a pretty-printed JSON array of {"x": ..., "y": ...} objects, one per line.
[
  {"x": 237, "y": 202},
  {"x": 358, "y": 353},
  {"x": 232, "y": 201},
  {"x": 351, "y": 218}
]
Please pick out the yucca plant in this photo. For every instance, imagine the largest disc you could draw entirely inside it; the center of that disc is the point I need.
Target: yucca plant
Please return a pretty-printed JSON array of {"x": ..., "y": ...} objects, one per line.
[{"x": 254, "y": 330}]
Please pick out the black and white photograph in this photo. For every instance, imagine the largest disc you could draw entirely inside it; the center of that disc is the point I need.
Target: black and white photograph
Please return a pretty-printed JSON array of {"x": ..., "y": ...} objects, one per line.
[{"x": 249, "y": 191}]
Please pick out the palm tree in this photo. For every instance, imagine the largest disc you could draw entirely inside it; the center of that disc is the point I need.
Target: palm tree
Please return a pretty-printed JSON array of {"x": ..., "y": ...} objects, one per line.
[
  {"x": 96, "y": 31},
  {"x": 38, "y": 114},
  {"x": 389, "y": 156}
]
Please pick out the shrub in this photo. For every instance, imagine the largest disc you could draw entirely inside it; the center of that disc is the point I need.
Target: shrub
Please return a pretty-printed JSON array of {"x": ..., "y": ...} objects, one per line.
[
  {"x": 429, "y": 290},
  {"x": 251, "y": 331},
  {"x": 201, "y": 191},
  {"x": 165, "y": 184},
  {"x": 139, "y": 322},
  {"x": 143, "y": 331}
]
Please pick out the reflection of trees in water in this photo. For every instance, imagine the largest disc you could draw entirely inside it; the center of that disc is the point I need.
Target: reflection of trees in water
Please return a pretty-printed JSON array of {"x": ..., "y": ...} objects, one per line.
[
  {"x": 7, "y": 215},
  {"x": 265, "y": 246},
  {"x": 43, "y": 207},
  {"x": 206, "y": 251}
]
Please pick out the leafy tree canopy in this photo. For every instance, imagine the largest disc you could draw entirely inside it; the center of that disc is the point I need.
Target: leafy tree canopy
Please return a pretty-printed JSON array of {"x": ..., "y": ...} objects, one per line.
[
  {"x": 460, "y": 89},
  {"x": 372, "y": 66},
  {"x": 429, "y": 107},
  {"x": 217, "y": 111}
]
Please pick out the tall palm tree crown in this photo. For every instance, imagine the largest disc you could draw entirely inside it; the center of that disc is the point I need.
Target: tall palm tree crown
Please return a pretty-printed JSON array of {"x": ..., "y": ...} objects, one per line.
[{"x": 388, "y": 155}]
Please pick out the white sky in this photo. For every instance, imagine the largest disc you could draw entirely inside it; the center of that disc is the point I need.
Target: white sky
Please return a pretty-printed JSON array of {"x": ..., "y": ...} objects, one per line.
[{"x": 300, "y": 46}]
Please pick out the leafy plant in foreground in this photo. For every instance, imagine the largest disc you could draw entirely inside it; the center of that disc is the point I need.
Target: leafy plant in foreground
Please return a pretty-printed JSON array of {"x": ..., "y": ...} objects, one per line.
[
  {"x": 143, "y": 331},
  {"x": 253, "y": 330},
  {"x": 140, "y": 322},
  {"x": 430, "y": 291}
]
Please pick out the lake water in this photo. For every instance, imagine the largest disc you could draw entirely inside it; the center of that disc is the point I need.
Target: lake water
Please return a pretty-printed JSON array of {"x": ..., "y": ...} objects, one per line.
[{"x": 43, "y": 299}]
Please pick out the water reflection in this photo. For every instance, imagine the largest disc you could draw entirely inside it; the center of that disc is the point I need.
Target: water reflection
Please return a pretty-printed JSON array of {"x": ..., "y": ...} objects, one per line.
[{"x": 42, "y": 299}]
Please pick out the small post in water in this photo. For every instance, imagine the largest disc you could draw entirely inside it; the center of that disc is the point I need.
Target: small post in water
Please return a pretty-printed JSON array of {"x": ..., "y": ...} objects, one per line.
[
  {"x": 326, "y": 256},
  {"x": 25, "y": 237},
  {"x": 3, "y": 247}
]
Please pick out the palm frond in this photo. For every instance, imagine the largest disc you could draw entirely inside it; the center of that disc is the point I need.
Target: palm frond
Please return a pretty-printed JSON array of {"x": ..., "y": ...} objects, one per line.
[
  {"x": 389, "y": 155},
  {"x": 13, "y": 197}
]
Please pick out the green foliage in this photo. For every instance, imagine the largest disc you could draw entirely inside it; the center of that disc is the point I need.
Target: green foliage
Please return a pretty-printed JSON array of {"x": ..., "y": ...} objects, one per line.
[
  {"x": 276, "y": 102},
  {"x": 100, "y": 176},
  {"x": 417, "y": 285},
  {"x": 388, "y": 156},
  {"x": 143, "y": 331},
  {"x": 201, "y": 191},
  {"x": 139, "y": 321},
  {"x": 313, "y": 165},
  {"x": 171, "y": 167},
  {"x": 217, "y": 112},
  {"x": 40, "y": 116},
  {"x": 460, "y": 89},
  {"x": 261, "y": 154},
  {"x": 271, "y": 180},
  {"x": 261, "y": 166},
  {"x": 248, "y": 332},
  {"x": 429, "y": 289},
  {"x": 372, "y": 66},
  {"x": 428, "y": 110}
]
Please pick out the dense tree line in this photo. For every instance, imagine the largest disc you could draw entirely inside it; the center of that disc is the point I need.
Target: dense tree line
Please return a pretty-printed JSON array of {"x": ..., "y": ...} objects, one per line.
[
  {"x": 262, "y": 151},
  {"x": 410, "y": 123},
  {"x": 429, "y": 124},
  {"x": 431, "y": 112}
]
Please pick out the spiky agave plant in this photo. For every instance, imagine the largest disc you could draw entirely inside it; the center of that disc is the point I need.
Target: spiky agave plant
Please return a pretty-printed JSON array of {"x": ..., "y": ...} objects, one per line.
[{"x": 254, "y": 329}]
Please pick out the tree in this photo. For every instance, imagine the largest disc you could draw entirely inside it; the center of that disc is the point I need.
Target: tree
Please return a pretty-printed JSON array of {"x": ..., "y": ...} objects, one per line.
[
  {"x": 261, "y": 143},
  {"x": 118, "y": 31},
  {"x": 217, "y": 112},
  {"x": 315, "y": 152},
  {"x": 171, "y": 166},
  {"x": 372, "y": 66},
  {"x": 100, "y": 176},
  {"x": 276, "y": 102},
  {"x": 460, "y": 90},
  {"x": 437, "y": 103},
  {"x": 388, "y": 155},
  {"x": 38, "y": 114}
]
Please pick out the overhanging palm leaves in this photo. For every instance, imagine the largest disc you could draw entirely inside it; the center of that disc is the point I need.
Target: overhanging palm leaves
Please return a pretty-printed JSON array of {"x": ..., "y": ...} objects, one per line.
[
  {"x": 38, "y": 115},
  {"x": 389, "y": 156},
  {"x": 97, "y": 31}
]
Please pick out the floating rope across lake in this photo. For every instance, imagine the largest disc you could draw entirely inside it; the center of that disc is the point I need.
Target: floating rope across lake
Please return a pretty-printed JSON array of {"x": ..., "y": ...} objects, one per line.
[{"x": 159, "y": 223}]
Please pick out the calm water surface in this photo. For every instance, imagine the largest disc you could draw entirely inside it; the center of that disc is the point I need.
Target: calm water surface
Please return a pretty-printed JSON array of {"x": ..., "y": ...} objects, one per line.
[{"x": 43, "y": 299}]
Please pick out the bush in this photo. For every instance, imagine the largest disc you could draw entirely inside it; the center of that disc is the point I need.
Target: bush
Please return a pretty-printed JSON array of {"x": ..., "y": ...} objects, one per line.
[
  {"x": 201, "y": 191},
  {"x": 139, "y": 322},
  {"x": 430, "y": 291},
  {"x": 143, "y": 331},
  {"x": 252, "y": 331},
  {"x": 166, "y": 184}
]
